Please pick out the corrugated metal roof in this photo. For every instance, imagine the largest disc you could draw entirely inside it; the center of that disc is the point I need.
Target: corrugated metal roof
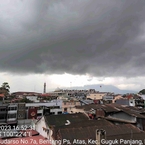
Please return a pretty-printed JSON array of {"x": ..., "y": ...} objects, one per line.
[
  {"x": 112, "y": 131},
  {"x": 60, "y": 120},
  {"x": 108, "y": 108}
]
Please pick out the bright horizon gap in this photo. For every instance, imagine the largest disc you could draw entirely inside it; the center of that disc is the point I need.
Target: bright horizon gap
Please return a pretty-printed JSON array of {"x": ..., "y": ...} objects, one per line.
[{"x": 35, "y": 82}]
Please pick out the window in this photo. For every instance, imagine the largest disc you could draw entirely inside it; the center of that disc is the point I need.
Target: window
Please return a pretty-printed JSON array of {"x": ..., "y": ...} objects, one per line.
[
  {"x": 12, "y": 108},
  {"x": 60, "y": 112},
  {"x": 39, "y": 114},
  {"x": 19, "y": 116},
  {"x": 22, "y": 107},
  {"x": 2, "y": 116},
  {"x": 52, "y": 112},
  {"x": 3, "y": 109},
  {"x": 11, "y": 115}
]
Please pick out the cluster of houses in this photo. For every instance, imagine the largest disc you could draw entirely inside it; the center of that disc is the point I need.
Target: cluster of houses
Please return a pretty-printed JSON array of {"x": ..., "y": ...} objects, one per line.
[{"x": 77, "y": 117}]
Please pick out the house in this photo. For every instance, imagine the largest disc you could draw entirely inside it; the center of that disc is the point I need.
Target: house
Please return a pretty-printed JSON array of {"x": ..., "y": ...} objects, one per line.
[
  {"x": 24, "y": 94},
  {"x": 115, "y": 113},
  {"x": 96, "y": 95},
  {"x": 126, "y": 101},
  {"x": 78, "y": 129},
  {"x": 128, "y": 115},
  {"x": 48, "y": 96},
  {"x": 69, "y": 104},
  {"x": 12, "y": 113},
  {"x": 3, "y": 113},
  {"x": 86, "y": 101},
  {"x": 108, "y": 98},
  {"x": 21, "y": 112},
  {"x": 89, "y": 134},
  {"x": 116, "y": 97},
  {"x": 46, "y": 124},
  {"x": 33, "y": 98}
]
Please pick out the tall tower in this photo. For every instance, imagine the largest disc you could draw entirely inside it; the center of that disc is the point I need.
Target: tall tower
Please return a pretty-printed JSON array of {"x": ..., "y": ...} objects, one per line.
[{"x": 44, "y": 88}]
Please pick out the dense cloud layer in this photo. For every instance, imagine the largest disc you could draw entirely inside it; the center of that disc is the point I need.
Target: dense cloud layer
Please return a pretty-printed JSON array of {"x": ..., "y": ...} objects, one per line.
[{"x": 102, "y": 38}]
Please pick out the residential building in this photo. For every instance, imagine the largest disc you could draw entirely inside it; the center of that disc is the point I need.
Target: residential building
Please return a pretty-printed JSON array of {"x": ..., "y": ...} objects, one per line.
[
  {"x": 124, "y": 101},
  {"x": 24, "y": 94},
  {"x": 12, "y": 113},
  {"x": 45, "y": 125},
  {"x": 116, "y": 97},
  {"x": 33, "y": 98},
  {"x": 73, "y": 127},
  {"x": 21, "y": 111},
  {"x": 69, "y": 104},
  {"x": 96, "y": 96},
  {"x": 3, "y": 113},
  {"x": 108, "y": 98}
]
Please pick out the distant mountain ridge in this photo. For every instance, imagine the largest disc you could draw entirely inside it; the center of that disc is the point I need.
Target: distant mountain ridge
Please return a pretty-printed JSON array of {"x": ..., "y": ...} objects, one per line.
[{"x": 104, "y": 88}]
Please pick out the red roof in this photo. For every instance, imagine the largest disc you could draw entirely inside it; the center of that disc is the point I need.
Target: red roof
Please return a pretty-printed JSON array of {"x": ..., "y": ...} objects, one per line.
[
  {"x": 129, "y": 97},
  {"x": 26, "y": 93},
  {"x": 45, "y": 95},
  {"x": 2, "y": 95}
]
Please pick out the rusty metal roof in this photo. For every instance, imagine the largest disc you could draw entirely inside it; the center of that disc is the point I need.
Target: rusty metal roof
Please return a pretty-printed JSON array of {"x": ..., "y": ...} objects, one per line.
[
  {"x": 112, "y": 131},
  {"x": 107, "y": 108},
  {"x": 60, "y": 120},
  {"x": 110, "y": 108}
]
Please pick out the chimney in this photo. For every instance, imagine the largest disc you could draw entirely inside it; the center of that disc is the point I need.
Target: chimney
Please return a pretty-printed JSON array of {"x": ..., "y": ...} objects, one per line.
[
  {"x": 44, "y": 88},
  {"x": 100, "y": 134}
]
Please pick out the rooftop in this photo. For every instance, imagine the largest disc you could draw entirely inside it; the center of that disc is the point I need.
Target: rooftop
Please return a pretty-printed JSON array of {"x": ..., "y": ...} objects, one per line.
[
  {"x": 60, "y": 120},
  {"x": 112, "y": 132}
]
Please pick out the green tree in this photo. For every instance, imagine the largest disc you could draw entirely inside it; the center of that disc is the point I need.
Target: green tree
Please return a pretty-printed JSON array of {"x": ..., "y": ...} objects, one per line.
[
  {"x": 25, "y": 100},
  {"x": 142, "y": 91},
  {"x": 5, "y": 88}
]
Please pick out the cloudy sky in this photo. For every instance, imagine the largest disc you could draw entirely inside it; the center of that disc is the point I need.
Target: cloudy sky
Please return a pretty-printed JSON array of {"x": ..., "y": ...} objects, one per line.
[{"x": 72, "y": 43}]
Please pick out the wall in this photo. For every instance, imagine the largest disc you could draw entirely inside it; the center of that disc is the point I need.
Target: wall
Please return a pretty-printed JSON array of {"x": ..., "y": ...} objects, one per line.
[
  {"x": 123, "y": 116},
  {"x": 33, "y": 98},
  {"x": 96, "y": 96},
  {"x": 140, "y": 123},
  {"x": 39, "y": 128},
  {"x": 25, "y": 122},
  {"x": 48, "y": 104},
  {"x": 129, "y": 102},
  {"x": 75, "y": 110},
  {"x": 69, "y": 105},
  {"x": 116, "y": 98},
  {"x": 32, "y": 113},
  {"x": 21, "y": 111}
]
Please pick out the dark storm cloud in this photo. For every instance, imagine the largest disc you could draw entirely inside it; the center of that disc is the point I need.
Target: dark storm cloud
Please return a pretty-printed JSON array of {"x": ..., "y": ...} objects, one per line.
[{"x": 102, "y": 38}]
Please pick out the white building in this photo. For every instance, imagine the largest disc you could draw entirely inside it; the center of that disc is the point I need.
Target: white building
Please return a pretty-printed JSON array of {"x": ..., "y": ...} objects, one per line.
[{"x": 33, "y": 98}]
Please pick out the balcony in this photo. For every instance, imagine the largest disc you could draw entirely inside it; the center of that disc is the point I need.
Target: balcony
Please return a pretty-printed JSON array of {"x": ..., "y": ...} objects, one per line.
[
  {"x": 12, "y": 111},
  {"x": 3, "y": 120}
]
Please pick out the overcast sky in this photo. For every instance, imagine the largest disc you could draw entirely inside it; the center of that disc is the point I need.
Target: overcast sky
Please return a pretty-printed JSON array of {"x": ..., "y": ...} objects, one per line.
[{"x": 72, "y": 43}]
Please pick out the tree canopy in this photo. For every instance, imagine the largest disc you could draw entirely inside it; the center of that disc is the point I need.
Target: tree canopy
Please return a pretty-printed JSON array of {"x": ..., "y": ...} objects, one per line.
[
  {"x": 5, "y": 88},
  {"x": 142, "y": 91}
]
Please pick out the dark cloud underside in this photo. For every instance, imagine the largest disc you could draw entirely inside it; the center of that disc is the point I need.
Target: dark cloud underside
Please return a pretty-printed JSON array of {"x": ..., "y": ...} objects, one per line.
[{"x": 103, "y": 38}]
